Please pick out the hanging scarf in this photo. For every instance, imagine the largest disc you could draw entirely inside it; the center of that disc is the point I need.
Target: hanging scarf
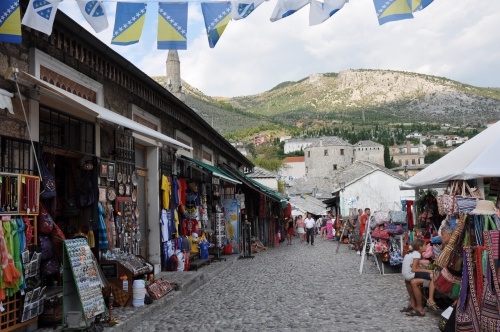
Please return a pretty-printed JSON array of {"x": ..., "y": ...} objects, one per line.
[
  {"x": 103, "y": 235},
  {"x": 29, "y": 230},
  {"x": 20, "y": 233}
]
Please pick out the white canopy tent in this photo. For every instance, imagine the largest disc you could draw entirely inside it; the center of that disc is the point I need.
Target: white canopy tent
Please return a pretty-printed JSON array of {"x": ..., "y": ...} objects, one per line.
[{"x": 476, "y": 158}]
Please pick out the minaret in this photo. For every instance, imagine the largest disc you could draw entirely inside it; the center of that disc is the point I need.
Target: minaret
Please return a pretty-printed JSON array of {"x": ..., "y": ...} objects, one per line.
[{"x": 173, "y": 83}]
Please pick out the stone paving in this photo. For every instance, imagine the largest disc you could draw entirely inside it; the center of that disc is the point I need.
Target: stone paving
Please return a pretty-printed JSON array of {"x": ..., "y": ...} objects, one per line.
[{"x": 288, "y": 288}]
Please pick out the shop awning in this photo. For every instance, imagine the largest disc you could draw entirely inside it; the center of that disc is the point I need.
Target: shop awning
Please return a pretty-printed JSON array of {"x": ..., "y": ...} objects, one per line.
[
  {"x": 256, "y": 185},
  {"x": 476, "y": 158},
  {"x": 103, "y": 113},
  {"x": 215, "y": 171}
]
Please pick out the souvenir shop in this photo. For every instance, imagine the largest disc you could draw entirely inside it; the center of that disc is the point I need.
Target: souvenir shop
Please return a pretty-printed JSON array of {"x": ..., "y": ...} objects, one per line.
[
  {"x": 265, "y": 210},
  {"x": 201, "y": 213}
]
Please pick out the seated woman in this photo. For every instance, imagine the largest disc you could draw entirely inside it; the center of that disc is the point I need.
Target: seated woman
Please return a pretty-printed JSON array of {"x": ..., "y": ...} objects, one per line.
[{"x": 414, "y": 278}]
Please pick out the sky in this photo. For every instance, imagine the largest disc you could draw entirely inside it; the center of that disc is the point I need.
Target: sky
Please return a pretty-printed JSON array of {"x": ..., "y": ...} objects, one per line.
[{"x": 456, "y": 39}]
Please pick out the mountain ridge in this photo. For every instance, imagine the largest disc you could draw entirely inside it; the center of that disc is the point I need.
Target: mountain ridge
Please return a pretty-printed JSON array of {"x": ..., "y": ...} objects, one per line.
[{"x": 352, "y": 95}]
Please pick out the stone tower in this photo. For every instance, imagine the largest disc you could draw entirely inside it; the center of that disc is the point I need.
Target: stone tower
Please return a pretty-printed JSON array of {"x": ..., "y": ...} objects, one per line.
[{"x": 173, "y": 82}]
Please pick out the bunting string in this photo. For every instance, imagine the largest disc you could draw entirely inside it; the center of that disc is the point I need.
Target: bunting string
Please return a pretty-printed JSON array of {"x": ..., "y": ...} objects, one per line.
[{"x": 173, "y": 17}]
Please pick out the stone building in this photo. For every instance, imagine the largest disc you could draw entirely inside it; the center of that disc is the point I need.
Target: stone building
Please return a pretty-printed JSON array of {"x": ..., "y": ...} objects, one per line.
[{"x": 327, "y": 155}]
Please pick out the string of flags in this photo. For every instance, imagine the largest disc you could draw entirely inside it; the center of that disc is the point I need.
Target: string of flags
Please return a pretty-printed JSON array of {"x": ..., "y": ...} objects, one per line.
[{"x": 172, "y": 17}]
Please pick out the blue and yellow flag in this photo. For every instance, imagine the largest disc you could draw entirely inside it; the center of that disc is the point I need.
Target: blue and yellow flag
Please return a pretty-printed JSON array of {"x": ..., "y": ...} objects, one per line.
[
  {"x": 172, "y": 26},
  {"x": 417, "y": 5},
  {"x": 10, "y": 22},
  {"x": 392, "y": 10},
  {"x": 217, "y": 16},
  {"x": 129, "y": 22}
]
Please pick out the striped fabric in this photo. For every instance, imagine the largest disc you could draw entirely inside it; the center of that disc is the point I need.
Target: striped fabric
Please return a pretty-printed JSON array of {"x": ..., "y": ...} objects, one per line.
[
  {"x": 466, "y": 204},
  {"x": 490, "y": 313}
]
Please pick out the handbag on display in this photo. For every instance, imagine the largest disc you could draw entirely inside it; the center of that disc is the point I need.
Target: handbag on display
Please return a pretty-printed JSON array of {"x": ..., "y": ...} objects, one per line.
[
  {"x": 445, "y": 281},
  {"x": 490, "y": 309},
  {"x": 448, "y": 199},
  {"x": 380, "y": 246},
  {"x": 398, "y": 217},
  {"x": 380, "y": 233},
  {"x": 381, "y": 217},
  {"x": 395, "y": 256},
  {"x": 467, "y": 311},
  {"x": 445, "y": 256},
  {"x": 45, "y": 221},
  {"x": 394, "y": 229},
  {"x": 48, "y": 182}
]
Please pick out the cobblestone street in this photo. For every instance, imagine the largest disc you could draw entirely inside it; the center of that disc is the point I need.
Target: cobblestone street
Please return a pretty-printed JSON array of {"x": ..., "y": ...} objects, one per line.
[{"x": 294, "y": 288}]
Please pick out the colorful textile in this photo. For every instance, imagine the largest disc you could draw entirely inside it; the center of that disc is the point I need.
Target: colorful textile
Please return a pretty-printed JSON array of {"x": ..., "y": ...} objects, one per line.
[{"x": 102, "y": 233}]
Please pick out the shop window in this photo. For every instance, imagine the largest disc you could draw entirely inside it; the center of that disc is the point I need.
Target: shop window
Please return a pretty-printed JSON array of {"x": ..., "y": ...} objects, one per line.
[
  {"x": 341, "y": 152},
  {"x": 66, "y": 132},
  {"x": 334, "y": 167},
  {"x": 17, "y": 155}
]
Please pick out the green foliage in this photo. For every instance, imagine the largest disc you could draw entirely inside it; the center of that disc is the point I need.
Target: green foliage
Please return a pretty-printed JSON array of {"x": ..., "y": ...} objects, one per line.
[
  {"x": 432, "y": 157},
  {"x": 271, "y": 164},
  {"x": 388, "y": 160}
]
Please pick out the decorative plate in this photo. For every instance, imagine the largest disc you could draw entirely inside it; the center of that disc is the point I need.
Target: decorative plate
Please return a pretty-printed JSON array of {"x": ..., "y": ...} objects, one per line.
[
  {"x": 121, "y": 189},
  {"x": 111, "y": 194},
  {"x": 134, "y": 195},
  {"x": 127, "y": 189},
  {"x": 135, "y": 180},
  {"x": 119, "y": 177}
]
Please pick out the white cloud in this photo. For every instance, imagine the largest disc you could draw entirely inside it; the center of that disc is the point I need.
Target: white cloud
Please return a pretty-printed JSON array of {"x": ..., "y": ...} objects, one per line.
[{"x": 456, "y": 39}]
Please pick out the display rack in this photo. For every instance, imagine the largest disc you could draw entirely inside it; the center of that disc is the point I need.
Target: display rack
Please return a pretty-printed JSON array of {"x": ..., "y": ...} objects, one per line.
[
  {"x": 13, "y": 189},
  {"x": 82, "y": 296},
  {"x": 121, "y": 272}
]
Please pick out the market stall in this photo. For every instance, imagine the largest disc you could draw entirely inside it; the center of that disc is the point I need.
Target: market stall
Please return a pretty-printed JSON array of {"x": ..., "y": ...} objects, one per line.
[{"x": 471, "y": 209}]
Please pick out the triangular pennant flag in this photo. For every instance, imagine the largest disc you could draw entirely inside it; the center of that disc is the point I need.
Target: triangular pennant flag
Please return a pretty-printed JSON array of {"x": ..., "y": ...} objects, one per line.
[
  {"x": 243, "y": 8},
  {"x": 217, "y": 16},
  {"x": 286, "y": 8},
  {"x": 95, "y": 14},
  {"x": 129, "y": 22},
  {"x": 392, "y": 10},
  {"x": 172, "y": 26},
  {"x": 320, "y": 12},
  {"x": 10, "y": 22},
  {"x": 417, "y": 5},
  {"x": 40, "y": 15}
]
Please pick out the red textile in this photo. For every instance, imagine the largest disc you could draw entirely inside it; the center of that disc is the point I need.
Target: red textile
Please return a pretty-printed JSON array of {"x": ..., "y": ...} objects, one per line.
[{"x": 409, "y": 212}]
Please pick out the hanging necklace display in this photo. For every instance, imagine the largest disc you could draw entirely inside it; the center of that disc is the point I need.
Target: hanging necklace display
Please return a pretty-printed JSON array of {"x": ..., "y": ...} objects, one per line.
[
  {"x": 26, "y": 186},
  {"x": 7, "y": 194},
  {"x": 137, "y": 212}
]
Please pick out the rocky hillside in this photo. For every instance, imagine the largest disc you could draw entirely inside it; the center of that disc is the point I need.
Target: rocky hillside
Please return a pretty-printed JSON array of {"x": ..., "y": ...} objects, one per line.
[
  {"x": 354, "y": 95},
  {"x": 381, "y": 95},
  {"x": 222, "y": 116}
]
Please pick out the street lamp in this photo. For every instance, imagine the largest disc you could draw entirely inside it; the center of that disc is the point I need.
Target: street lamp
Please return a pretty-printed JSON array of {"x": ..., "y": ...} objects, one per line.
[{"x": 342, "y": 188}]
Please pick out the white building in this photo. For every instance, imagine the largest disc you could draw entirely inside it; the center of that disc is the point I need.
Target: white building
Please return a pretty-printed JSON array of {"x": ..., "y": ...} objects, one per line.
[
  {"x": 293, "y": 168},
  {"x": 264, "y": 177},
  {"x": 297, "y": 144}
]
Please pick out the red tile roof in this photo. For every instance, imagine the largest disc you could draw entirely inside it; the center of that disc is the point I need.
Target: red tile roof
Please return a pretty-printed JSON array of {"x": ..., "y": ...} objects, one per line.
[{"x": 294, "y": 159}]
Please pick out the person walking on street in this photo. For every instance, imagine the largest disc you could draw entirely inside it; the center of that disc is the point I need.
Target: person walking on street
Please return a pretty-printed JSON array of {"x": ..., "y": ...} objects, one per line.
[
  {"x": 289, "y": 230},
  {"x": 309, "y": 223},
  {"x": 300, "y": 228}
]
